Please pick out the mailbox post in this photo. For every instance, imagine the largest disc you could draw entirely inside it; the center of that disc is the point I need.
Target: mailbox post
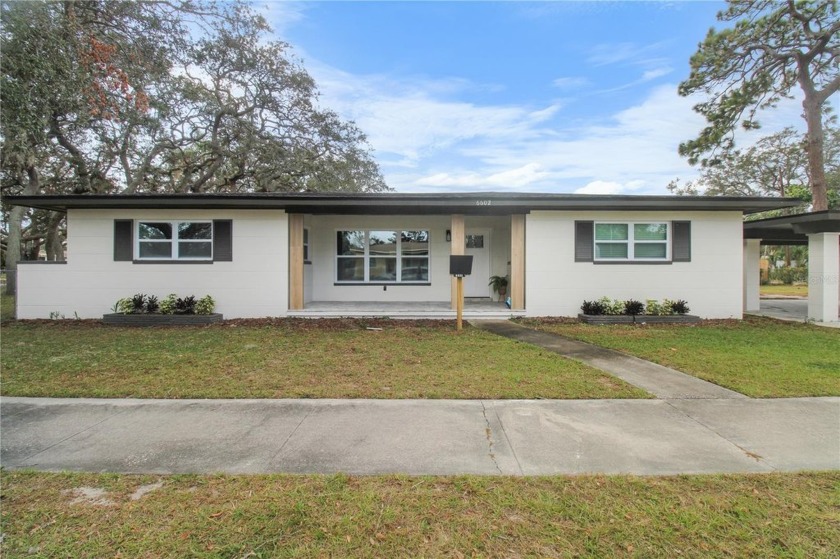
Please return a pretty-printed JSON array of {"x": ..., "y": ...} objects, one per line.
[{"x": 460, "y": 266}]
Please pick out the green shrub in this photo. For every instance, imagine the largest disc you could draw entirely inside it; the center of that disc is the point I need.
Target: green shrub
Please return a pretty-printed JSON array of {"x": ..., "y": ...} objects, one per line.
[
  {"x": 655, "y": 308},
  {"x": 205, "y": 305},
  {"x": 790, "y": 275},
  {"x": 124, "y": 306},
  {"x": 612, "y": 306},
  {"x": 167, "y": 304}
]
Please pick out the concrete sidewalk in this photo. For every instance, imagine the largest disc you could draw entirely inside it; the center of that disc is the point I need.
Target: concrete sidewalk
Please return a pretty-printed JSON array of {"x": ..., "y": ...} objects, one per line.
[{"x": 516, "y": 437}]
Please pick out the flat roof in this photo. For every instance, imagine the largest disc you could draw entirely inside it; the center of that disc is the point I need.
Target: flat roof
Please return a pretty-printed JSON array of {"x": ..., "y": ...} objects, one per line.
[
  {"x": 792, "y": 229},
  {"x": 480, "y": 203}
]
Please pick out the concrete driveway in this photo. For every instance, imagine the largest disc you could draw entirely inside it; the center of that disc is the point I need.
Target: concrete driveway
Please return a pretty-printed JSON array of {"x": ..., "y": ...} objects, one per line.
[{"x": 512, "y": 437}]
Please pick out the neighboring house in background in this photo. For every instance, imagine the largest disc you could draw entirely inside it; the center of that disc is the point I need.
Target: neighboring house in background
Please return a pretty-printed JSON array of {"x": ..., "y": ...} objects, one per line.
[{"x": 328, "y": 254}]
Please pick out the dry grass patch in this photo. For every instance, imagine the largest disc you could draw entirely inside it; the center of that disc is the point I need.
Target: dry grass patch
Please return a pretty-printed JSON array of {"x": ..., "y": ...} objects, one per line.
[
  {"x": 777, "y": 515},
  {"x": 288, "y": 358}
]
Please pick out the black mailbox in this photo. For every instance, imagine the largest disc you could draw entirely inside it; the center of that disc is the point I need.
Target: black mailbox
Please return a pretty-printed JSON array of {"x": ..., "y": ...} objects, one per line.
[{"x": 460, "y": 266}]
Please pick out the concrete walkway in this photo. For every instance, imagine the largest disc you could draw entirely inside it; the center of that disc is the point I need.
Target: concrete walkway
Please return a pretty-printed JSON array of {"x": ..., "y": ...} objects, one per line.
[
  {"x": 492, "y": 437},
  {"x": 660, "y": 381}
]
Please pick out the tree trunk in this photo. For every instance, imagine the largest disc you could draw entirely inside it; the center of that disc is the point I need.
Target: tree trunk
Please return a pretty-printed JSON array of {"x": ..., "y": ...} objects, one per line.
[
  {"x": 54, "y": 245},
  {"x": 814, "y": 148},
  {"x": 15, "y": 226}
]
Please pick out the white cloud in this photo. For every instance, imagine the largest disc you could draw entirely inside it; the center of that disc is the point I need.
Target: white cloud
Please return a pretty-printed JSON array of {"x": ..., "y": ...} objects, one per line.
[
  {"x": 570, "y": 82},
  {"x": 426, "y": 138},
  {"x": 509, "y": 179},
  {"x": 281, "y": 15}
]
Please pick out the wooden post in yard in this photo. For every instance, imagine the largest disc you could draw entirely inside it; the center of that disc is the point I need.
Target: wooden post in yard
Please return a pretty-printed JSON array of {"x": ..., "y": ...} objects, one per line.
[{"x": 460, "y": 282}]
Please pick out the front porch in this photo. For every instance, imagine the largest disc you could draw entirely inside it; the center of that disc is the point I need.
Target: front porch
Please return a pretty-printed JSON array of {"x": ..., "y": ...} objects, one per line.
[
  {"x": 398, "y": 265},
  {"x": 473, "y": 308}
]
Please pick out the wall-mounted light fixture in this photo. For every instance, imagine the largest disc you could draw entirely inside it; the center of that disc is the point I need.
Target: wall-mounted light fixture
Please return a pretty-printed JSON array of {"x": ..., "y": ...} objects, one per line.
[{"x": 448, "y": 236}]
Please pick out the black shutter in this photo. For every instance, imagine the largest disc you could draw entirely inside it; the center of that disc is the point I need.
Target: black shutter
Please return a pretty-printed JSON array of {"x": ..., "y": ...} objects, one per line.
[
  {"x": 681, "y": 244},
  {"x": 222, "y": 240},
  {"x": 123, "y": 240},
  {"x": 584, "y": 241}
]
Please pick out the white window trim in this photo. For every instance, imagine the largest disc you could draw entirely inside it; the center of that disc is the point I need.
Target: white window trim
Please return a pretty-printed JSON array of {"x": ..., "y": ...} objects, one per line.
[
  {"x": 174, "y": 241},
  {"x": 631, "y": 242},
  {"x": 366, "y": 257}
]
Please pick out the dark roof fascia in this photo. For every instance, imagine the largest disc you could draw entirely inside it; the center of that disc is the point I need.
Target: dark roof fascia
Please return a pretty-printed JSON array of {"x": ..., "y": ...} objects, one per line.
[
  {"x": 344, "y": 203},
  {"x": 793, "y": 226}
]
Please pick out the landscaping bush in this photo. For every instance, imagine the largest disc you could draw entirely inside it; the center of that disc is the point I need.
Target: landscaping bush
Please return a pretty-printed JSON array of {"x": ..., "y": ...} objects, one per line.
[
  {"x": 612, "y": 307},
  {"x": 167, "y": 305},
  {"x": 205, "y": 305},
  {"x": 790, "y": 275},
  {"x": 152, "y": 305},
  {"x": 185, "y": 305},
  {"x": 677, "y": 307},
  {"x": 655, "y": 308},
  {"x": 592, "y": 308},
  {"x": 633, "y": 307}
]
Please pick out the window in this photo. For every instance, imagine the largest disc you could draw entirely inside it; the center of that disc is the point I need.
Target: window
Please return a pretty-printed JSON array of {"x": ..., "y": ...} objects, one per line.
[
  {"x": 631, "y": 241},
  {"x": 174, "y": 240},
  {"x": 382, "y": 256},
  {"x": 306, "y": 245}
]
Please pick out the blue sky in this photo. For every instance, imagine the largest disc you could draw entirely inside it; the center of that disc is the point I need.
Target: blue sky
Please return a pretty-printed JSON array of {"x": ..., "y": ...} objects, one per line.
[{"x": 512, "y": 96}]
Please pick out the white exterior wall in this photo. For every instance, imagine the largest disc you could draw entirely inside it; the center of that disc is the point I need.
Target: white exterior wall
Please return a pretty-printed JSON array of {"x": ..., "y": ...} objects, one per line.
[
  {"x": 752, "y": 274},
  {"x": 254, "y": 284},
  {"x": 712, "y": 283}
]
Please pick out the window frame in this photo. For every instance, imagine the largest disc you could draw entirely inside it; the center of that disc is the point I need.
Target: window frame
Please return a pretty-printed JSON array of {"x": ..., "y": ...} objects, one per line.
[
  {"x": 174, "y": 241},
  {"x": 631, "y": 241},
  {"x": 307, "y": 246},
  {"x": 398, "y": 257}
]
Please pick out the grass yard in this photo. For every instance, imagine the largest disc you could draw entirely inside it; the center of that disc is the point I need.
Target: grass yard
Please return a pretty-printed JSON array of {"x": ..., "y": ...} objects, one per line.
[
  {"x": 106, "y": 515},
  {"x": 787, "y": 290},
  {"x": 288, "y": 359},
  {"x": 759, "y": 357},
  {"x": 7, "y": 307}
]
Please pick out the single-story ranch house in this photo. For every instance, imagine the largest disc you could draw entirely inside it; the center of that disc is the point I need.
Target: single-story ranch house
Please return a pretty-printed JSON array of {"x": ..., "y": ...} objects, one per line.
[{"x": 329, "y": 254}]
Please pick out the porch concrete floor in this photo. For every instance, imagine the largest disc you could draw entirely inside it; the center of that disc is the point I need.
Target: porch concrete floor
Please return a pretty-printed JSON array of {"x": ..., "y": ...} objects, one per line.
[
  {"x": 795, "y": 310},
  {"x": 473, "y": 308}
]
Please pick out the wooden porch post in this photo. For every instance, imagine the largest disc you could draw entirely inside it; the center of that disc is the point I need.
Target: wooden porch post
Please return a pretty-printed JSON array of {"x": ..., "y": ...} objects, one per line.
[
  {"x": 456, "y": 247},
  {"x": 517, "y": 262},
  {"x": 295, "y": 262}
]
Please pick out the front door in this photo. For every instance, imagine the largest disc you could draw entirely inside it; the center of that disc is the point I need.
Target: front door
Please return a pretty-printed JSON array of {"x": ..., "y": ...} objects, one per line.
[{"x": 477, "y": 244}]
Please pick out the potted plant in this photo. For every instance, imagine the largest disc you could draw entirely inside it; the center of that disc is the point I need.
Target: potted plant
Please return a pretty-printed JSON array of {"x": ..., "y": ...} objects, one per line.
[{"x": 499, "y": 285}]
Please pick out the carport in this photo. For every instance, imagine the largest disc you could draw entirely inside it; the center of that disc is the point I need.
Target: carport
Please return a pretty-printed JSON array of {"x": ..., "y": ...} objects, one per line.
[{"x": 820, "y": 231}]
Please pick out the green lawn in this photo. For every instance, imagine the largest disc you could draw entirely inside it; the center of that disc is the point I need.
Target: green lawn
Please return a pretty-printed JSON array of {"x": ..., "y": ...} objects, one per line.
[
  {"x": 759, "y": 357},
  {"x": 771, "y": 515},
  {"x": 7, "y": 307},
  {"x": 288, "y": 359},
  {"x": 790, "y": 290}
]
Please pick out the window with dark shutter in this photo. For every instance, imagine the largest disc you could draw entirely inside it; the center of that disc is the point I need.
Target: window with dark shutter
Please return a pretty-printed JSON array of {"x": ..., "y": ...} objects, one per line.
[
  {"x": 222, "y": 240},
  {"x": 123, "y": 240},
  {"x": 681, "y": 243},
  {"x": 584, "y": 241}
]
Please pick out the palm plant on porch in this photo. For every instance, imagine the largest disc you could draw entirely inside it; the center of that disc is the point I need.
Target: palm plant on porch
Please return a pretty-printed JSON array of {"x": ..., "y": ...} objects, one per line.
[{"x": 499, "y": 285}]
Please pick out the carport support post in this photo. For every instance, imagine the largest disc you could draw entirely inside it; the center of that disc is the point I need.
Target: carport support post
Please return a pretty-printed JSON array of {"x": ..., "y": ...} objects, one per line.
[
  {"x": 752, "y": 274},
  {"x": 823, "y": 276}
]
